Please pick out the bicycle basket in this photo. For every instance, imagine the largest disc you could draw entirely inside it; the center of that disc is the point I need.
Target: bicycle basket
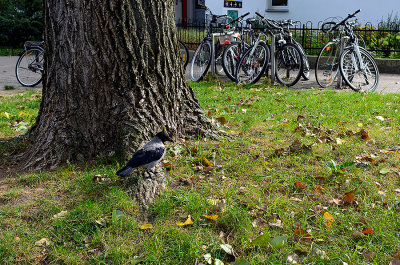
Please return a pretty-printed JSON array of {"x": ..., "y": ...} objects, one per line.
[{"x": 217, "y": 24}]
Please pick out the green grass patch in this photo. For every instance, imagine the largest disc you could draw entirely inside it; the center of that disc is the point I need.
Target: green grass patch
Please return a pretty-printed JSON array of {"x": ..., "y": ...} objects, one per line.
[{"x": 274, "y": 177}]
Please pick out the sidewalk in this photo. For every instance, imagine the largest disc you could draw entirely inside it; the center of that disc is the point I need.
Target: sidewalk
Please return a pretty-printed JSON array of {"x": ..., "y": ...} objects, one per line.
[{"x": 388, "y": 83}]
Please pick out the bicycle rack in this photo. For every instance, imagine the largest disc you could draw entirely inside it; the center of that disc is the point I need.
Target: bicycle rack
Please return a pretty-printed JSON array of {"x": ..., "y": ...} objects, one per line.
[
  {"x": 340, "y": 78},
  {"x": 273, "y": 59}
]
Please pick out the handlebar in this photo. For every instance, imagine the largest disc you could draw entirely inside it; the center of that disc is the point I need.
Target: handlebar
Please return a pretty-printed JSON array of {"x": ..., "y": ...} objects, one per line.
[
  {"x": 241, "y": 17},
  {"x": 344, "y": 20},
  {"x": 271, "y": 23}
]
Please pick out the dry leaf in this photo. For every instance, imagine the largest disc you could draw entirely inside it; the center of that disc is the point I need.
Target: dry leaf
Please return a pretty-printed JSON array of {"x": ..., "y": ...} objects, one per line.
[
  {"x": 146, "y": 226},
  {"x": 320, "y": 179},
  {"x": 221, "y": 120},
  {"x": 318, "y": 190},
  {"x": 300, "y": 185},
  {"x": 368, "y": 231},
  {"x": 328, "y": 219},
  {"x": 349, "y": 197},
  {"x": 364, "y": 135},
  {"x": 211, "y": 217},
  {"x": 187, "y": 222},
  {"x": 301, "y": 234},
  {"x": 60, "y": 214}
]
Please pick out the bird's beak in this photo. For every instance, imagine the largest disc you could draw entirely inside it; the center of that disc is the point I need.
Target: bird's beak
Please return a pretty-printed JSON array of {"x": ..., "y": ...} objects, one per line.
[{"x": 170, "y": 139}]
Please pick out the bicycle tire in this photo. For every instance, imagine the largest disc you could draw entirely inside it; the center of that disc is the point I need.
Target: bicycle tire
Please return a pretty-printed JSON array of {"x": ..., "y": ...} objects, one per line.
[
  {"x": 201, "y": 61},
  {"x": 231, "y": 57},
  {"x": 29, "y": 67},
  {"x": 288, "y": 59},
  {"x": 327, "y": 65},
  {"x": 184, "y": 53},
  {"x": 252, "y": 64},
  {"x": 350, "y": 75},
  {"x": 306, "y": 64}
]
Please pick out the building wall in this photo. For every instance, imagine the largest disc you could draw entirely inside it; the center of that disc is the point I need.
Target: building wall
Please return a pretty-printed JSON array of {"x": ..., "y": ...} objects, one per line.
[{"x": 317, "y": 10}]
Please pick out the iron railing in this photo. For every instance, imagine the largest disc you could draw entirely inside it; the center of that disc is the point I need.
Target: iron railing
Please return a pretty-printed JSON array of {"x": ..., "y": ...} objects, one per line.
[{"x": 382, "y": 41}]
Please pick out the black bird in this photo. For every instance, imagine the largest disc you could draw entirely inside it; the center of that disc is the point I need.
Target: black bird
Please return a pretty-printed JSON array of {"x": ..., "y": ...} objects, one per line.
[{"x": 147, "y": 157}]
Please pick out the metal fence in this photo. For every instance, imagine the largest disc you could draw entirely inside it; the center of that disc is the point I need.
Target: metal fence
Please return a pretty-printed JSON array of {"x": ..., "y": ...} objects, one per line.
[{"x": 382, "y": 40}]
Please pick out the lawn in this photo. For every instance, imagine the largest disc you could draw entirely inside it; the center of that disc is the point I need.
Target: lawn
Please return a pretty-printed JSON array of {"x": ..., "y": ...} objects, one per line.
[{"x": 308, "y": 176}]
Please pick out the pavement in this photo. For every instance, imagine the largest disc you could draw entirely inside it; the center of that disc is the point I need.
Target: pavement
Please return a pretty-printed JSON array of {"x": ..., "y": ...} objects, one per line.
[{"x": 388, "y": 83}]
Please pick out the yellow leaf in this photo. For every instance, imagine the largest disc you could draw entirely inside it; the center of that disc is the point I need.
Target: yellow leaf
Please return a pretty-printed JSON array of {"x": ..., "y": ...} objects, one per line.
[
  {"x": 205, "y": 162},
  {"x": 211, "y": 217},
  {"x": 360, "y": 124},
  {"x": 328, "y": 219},
  {"x": 187, "y": 222},
  {"x": 7, "y": 115},
  {"x": 146, "y": 226}
]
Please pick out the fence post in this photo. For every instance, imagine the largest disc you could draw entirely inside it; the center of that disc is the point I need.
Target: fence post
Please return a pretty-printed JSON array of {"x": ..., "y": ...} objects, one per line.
[{"x": 303, "y": 37}]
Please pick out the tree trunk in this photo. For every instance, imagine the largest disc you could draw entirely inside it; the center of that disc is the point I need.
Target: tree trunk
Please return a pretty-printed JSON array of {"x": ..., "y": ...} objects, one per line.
[{"x": 113, "y": 79}]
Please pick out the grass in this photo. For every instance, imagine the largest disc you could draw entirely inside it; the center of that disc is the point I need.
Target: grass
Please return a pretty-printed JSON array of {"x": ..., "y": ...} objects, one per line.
[{"x": 251, "y": 185}]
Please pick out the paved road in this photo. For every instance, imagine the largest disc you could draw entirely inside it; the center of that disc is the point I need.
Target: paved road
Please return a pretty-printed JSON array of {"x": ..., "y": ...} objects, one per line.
[{"x": 388, "y": 83}]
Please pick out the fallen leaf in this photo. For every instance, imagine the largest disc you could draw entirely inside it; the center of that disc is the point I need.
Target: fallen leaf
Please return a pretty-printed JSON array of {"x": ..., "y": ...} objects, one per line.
[
  {"x": 60, "y": 214},
  {"x": 349, "y": 197},
  {"x": 384, "y": 171},
  {"x": 380, "y": 118},
  {"x": 385, "y": 205},
  {"x": 208, "y": 258},
  {"x": 44, "y": 242},
  {"x": 17, "y": 239},
  {"x": 368, "y": 231},
  {"x": 205, "y": 162},
  {"x": 364, "y": 135},
  {"x": 276, "y": 224},
  {"x": 293, "y": 258},
  {"x": 328, "y": 219},
  {"x": 336, "y": 201},
  {"x": 187, "y": 222},
  {"x": 146, "y": 226},
  {"x": 300, "y": 185},
  {"x": 301, "y": 234},
  {"x": 262, "y": 241},
  {"x": 221, "y": 120},
  {"x": 228, "y": 249},
  {"x": 211, "y": 217},
  {"x": 278, "y": 242},
  {"x": 318, "y": 190}
]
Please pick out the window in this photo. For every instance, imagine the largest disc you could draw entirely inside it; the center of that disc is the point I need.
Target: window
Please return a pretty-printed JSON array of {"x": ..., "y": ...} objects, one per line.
[{"x": 277, "y": 6}]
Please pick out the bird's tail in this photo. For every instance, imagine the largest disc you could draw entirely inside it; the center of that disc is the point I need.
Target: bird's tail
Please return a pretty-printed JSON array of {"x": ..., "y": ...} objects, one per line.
[{"x": 125, "y": 171}]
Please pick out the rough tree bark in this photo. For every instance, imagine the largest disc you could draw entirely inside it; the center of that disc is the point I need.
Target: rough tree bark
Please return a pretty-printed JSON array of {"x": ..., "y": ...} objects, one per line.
[{"x": 113, "y": 79}]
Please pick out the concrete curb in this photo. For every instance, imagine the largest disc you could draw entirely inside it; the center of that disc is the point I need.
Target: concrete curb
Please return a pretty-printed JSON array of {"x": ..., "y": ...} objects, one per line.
[{"x": 390, "y": 66}]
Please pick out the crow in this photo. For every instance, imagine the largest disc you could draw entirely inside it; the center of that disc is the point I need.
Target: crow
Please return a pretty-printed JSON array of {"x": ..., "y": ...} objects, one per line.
[{"x": 147, "y": 157}]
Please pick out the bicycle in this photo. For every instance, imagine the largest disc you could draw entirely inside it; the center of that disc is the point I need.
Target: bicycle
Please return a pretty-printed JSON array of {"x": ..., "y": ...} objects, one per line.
[
  {"x": 356, "y": 65},
  {"x": 289, "y": 61},
  {"x": 203, "y": 55},
  {"x": 29, "y": 67},
  {"x": 236, "y": 49}
]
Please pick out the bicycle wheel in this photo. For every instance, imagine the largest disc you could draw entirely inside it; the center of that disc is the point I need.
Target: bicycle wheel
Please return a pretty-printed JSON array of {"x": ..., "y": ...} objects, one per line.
[
  {"x": 360, "y": 78},
  {"x": 289, "y": 64},
  {"x": 201, "y": 61},
  {"x": 252, "y": 64},
  {"x": 306, "y": 65},
  {"x": 327, "y": 65},
  {"x": 231, "y": 57},
  {"x": 29, "y": 67},
  {"x": 184, "y": 53}
]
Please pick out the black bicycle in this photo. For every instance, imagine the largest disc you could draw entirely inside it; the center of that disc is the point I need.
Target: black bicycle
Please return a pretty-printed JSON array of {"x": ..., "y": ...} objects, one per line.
[{"x": 29, "y": 68}]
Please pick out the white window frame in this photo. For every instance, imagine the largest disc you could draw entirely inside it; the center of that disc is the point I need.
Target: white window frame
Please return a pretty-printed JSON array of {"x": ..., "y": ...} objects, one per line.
[{"x": 271, "y": 8}]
